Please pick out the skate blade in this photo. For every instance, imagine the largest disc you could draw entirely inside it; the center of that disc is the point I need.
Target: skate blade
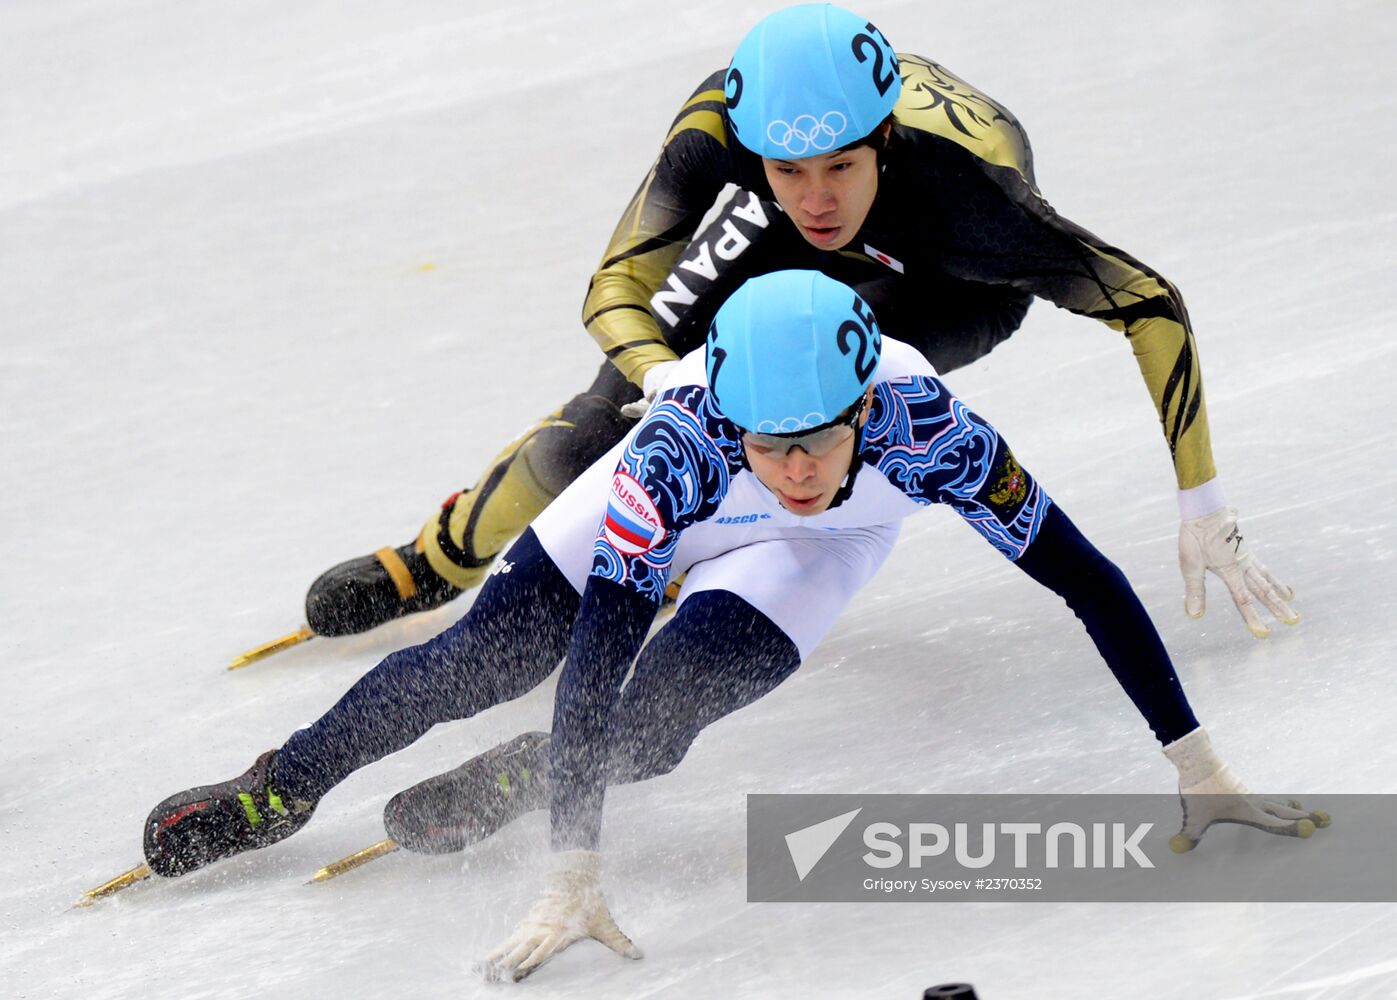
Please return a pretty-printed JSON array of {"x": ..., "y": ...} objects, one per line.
[
  {"x": 371, "y": 853},
  {"x": 126, "y": 879},
  {"x": 302, "y": 634}
]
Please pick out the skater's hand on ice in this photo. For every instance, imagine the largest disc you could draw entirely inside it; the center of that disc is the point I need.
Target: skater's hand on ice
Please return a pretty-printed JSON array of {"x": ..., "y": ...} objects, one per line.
[
  {"x": 1214, "y": 542},
  {"x": 570, "y": 909},
  {"x": 654, "y": 381},
  {"x": 1203, "y": 808},
  {"x": 1210, "y": 793}
]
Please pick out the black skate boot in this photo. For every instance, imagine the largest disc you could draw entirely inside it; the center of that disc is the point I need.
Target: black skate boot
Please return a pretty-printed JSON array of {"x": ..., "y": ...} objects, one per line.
[
  {"x": 363, "y": 593},
  {"x": 203, "y": 825},
  {"x": 462, "y": 807}
]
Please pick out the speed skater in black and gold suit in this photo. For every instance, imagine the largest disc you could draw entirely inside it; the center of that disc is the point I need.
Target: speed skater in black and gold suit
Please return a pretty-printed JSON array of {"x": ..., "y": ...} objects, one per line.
[{"x": 936, "y": 205}]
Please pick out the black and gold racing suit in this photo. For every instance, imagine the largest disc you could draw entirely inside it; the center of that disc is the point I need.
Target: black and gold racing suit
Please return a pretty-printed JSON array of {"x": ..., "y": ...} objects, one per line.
[{"x": 956, "y": 245}]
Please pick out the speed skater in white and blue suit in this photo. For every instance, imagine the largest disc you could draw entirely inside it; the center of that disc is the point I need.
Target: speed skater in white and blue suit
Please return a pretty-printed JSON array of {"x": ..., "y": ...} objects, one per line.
[{"x": 773, "y": 470}]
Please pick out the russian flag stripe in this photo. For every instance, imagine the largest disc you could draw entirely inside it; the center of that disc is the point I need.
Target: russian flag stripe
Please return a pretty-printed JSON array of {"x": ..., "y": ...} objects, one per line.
[
  {"x": 626, "y": 533},
  {"x": 633, "y": 521}
]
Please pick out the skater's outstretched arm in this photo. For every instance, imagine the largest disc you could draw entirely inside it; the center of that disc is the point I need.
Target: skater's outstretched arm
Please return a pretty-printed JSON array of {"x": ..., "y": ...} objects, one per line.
[
  {"x": 610, "y": 629},
  {"x": 1064, "y": 561},
  {"x": 939, "y": 451}
]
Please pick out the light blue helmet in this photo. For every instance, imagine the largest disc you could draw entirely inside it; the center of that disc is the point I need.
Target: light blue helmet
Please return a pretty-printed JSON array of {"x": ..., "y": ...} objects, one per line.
[
  {"x": 790, "y": 351},
  {"x": 809, "y": 79}
]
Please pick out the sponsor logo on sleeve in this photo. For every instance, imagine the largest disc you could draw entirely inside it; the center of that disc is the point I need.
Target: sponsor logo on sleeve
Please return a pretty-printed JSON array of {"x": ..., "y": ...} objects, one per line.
[
  {"x": 742, "y": 519},
  {"x": 632, "y": 523}
]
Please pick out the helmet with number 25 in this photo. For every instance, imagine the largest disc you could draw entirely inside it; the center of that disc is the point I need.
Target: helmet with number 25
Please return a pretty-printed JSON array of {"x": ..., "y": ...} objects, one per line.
[
  {"x": 792, "y": 353},
  {"x": 809, "y": 79}
]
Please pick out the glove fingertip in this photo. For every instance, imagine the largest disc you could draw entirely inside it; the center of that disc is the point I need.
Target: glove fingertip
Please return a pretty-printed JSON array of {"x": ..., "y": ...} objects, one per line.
[
  {"x": 1260, "y": 631},
  {"x": 1182, "y": 843},
  {"x": 615, "y": 939}
]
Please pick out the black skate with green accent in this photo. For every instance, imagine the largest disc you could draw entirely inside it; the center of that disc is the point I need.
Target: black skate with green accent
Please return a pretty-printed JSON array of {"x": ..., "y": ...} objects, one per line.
[
  {"x": 364, "y": 593},
  {"x": 451, "y": 811},
  {"x": 203, "y": 825}
]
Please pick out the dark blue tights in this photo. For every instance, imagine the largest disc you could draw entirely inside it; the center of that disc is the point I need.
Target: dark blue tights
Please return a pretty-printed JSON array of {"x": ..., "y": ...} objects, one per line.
[{"x": 717, "y": 654}]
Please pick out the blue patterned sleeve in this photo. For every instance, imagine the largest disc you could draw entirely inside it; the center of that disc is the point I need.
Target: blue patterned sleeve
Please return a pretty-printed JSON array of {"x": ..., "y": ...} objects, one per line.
[
  {"x": 673, "y": 473},
  {"x": 936, "y": 449}
]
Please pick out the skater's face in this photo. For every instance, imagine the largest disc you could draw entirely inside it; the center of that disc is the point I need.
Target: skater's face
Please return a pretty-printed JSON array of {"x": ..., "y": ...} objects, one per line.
[
  {"x": 805, "y": 483},
  {"x": 827, "y": 197}
]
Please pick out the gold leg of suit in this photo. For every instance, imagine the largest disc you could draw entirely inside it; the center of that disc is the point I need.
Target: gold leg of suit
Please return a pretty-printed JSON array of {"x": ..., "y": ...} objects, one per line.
[
  {"x": 473, "y": 526},
  {"x": 462, "y": 540}
]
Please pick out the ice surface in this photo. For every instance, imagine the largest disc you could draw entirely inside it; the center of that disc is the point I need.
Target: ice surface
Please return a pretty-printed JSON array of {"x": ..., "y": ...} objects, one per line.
[{"x": 276, "y": 278}]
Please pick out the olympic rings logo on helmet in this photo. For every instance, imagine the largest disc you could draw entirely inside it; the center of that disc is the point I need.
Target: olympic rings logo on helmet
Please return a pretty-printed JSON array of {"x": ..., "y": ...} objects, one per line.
[
  {"x": 791, "y": 425},
  {"x": 808, "y": 133}
]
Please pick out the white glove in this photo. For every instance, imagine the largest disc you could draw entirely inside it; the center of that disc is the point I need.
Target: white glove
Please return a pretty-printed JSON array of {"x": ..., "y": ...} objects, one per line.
[
  {"x": 571, "y": 908},
  {"x": 1214, "y": 542},
  {"x": 654, "y": 380},
  {"x": 1210, "y": 793}
]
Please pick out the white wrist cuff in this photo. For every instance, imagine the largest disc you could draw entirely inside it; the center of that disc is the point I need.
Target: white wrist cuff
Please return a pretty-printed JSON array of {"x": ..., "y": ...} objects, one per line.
[
  {"x": 577, "y": 862},
  {"x": 655, "y": 377},
  {"x": 1202, "y": 500},
  {"x": 1194, "y": 757}
]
